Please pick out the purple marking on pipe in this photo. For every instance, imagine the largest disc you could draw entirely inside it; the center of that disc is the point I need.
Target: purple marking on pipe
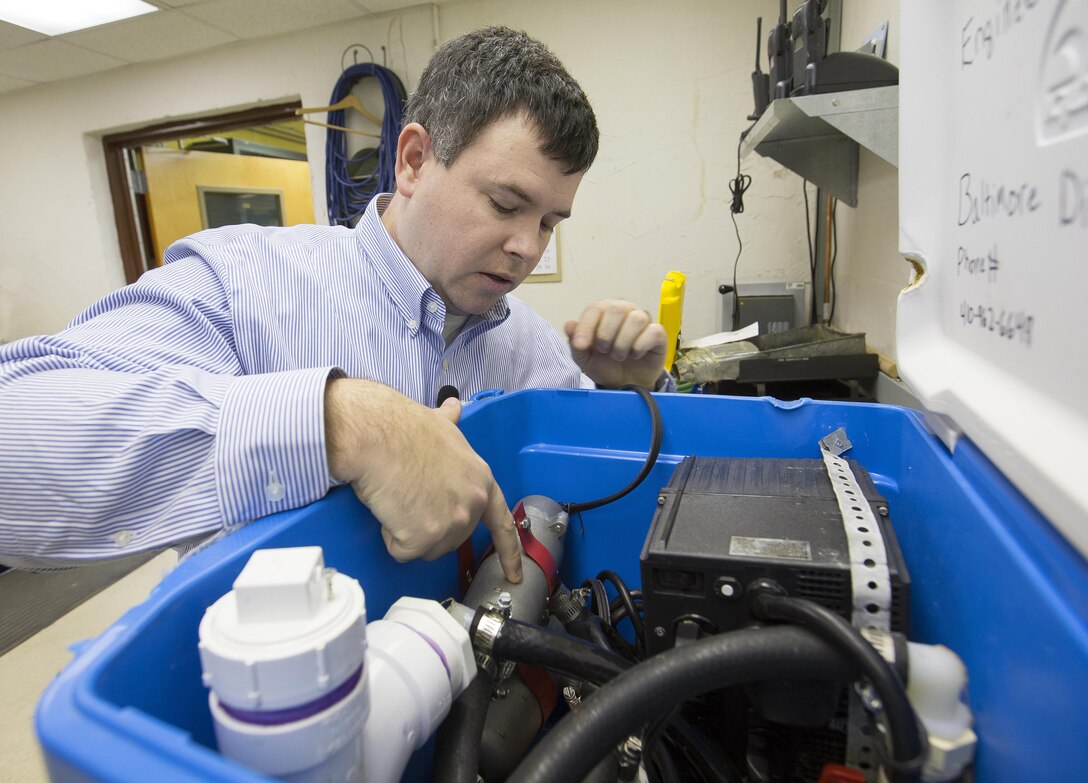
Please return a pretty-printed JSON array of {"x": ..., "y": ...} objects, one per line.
[
  {"x": 292, "y": 714},
  {"x": 433, "y": 645}
]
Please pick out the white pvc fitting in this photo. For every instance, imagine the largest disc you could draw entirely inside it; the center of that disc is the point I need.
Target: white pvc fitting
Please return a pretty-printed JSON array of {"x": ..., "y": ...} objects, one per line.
[
  {"x": 283, "y": 653},
  {"x": 419, "y": 660}
]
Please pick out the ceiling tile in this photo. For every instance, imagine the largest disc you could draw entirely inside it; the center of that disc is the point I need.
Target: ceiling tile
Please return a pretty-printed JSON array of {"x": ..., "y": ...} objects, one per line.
[
  {"x": 381, "y": 6},
  {"x": 150, "y": 37},
  {"x": 12, "y": 35},
  {"x": 9, "y": 83},
  {"x": 259, "y": 18},
  {"x": 50, "y": 60}
]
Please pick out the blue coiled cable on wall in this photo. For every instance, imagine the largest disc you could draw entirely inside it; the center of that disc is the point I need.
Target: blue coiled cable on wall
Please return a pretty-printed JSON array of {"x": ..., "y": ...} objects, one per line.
[{"x": 348, "y": 196}]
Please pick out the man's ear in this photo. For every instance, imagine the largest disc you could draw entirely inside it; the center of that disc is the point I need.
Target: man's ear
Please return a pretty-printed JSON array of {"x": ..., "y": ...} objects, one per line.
[{"x": 413, "y": 150}]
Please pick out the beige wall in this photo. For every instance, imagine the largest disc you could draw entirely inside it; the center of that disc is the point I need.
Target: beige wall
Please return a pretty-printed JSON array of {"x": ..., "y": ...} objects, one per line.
[{"x": 671, "y": 87}]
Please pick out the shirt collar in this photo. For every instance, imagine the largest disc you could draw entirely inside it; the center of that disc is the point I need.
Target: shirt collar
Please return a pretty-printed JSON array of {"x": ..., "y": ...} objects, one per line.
[{"x": 406, "y": 286}]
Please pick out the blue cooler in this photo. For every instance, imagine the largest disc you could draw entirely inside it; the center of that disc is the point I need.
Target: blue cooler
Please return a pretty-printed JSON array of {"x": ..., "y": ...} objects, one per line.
[{"x": 992, "y": 579}]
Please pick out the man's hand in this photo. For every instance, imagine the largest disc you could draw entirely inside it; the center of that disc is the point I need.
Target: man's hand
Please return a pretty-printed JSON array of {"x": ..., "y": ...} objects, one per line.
[
  {"x": 415, "y": 471},
  {"x": 615, "y": 344}
]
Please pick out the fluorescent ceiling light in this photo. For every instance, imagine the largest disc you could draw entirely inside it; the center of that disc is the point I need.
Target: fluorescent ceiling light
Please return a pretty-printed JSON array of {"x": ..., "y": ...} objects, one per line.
[{"x": 54, "y": 17}]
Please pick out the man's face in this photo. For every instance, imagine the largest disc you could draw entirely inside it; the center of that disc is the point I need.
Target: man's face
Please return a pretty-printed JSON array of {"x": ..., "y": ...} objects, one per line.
[{"x": 477, "y": 228}]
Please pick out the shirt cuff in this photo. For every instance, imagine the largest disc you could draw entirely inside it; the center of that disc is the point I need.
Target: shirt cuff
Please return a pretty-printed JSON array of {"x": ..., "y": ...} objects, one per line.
[{"x": 270, "y": 444}]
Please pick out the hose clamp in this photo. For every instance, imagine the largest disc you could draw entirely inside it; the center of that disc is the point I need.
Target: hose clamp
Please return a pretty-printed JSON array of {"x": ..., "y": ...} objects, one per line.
[
  {"x": 488, "y": 627},
  {"x": 486, "y": 663}
]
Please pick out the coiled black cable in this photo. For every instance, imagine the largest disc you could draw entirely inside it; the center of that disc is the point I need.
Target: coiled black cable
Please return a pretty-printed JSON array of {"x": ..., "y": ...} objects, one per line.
[
  {"x": 629, "y": 604},
  {"x": 738, "y": 187},
  {"x": 348, "y": 195}
]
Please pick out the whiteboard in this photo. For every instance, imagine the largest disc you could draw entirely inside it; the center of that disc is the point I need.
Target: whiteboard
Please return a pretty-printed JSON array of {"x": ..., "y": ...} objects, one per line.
[{"x": 993, "y": 201}]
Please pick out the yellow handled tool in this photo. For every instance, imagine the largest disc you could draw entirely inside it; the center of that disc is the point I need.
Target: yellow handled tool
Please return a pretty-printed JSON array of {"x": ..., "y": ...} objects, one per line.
[{"x": 671, "y": 311}]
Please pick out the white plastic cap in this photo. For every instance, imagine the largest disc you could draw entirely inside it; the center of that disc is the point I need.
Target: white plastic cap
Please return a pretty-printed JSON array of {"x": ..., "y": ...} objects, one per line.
[
  {"x": 935, "y": 688},
  {"x": 289, "y": 632}
]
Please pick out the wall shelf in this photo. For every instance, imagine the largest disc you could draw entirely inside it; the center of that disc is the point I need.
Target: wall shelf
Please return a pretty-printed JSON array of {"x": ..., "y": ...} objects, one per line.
[{"x": 818, "y": 136}]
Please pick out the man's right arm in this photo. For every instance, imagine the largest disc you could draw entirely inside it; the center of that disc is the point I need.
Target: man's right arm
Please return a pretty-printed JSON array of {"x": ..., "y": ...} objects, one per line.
[
  {"x": 136, "y": 427},
  {"x": 415, "y": 471}
]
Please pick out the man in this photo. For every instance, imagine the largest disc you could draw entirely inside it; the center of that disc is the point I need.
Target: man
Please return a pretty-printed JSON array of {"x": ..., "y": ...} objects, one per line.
[{"x": 259, "y": 366}]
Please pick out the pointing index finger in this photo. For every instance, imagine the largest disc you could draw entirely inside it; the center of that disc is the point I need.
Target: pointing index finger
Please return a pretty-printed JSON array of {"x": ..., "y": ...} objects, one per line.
[{"x": 500, "y": 522}]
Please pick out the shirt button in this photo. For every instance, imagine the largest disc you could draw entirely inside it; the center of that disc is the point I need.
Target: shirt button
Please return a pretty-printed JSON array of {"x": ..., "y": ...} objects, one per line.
[
  {"x": 445, "y": 364},
  {"x": 432, "y": 307},
  {"x": 412, "y": 323},
  {"x": 274, "y": 490},
  {"x": 123, "y": 538}
]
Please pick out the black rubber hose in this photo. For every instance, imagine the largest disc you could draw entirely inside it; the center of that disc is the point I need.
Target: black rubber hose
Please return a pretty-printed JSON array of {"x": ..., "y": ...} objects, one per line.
[
  {"x": 457, "y": 741},
  {"x": 908, "y": 746},
  {"x": 588, "y": 626},
  {"x": 606, "y": 771},
  {"x": 712, "y": 764},
  {"x": 663, "y": 767},
  {"x": 558, "y": 652},
  {"x": 621, "y": 707}
]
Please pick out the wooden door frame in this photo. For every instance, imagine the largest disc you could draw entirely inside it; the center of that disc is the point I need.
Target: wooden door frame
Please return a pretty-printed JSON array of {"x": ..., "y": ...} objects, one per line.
[{"x": 115, "y": 145}]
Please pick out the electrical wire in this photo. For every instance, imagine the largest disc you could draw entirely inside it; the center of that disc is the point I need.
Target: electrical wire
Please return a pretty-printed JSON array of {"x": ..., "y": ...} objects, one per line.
[
  {"x": 346, "y": 194},
  {"x": 834, "y": 257},
  {"x": 651, "y": 457},
  {"x": 740, "y": 184},
  {"x": 619, "y": 610},
  {"x": 614, "y": 641},
  {"x": 738, "y": 187},
  {"x": 628, "y": 603},
  {"x": 601, "y": 607},
  {"x": 736, "y": 263},
  {"x": 811, "y": 255}
]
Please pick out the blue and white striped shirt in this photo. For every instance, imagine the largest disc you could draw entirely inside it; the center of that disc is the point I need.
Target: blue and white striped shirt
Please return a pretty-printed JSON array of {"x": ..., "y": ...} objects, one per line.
[{"x": 192, "y": 400}]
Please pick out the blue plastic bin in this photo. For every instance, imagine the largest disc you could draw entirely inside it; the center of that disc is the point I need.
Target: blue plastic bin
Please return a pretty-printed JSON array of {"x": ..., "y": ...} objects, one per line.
[{"x": 991, "y": 578}]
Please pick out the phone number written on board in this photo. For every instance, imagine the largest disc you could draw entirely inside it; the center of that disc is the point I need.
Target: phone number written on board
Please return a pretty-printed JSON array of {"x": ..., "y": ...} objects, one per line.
[{"x": 1007, "y": 324}]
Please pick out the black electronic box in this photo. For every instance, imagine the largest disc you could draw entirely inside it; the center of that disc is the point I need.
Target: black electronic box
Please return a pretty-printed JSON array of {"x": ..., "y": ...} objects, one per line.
[{"x": 723, "y": 523}]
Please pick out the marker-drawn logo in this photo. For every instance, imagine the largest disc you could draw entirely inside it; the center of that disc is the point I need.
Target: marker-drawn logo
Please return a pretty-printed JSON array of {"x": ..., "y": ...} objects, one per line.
[{"x": 1063, "y": 103}]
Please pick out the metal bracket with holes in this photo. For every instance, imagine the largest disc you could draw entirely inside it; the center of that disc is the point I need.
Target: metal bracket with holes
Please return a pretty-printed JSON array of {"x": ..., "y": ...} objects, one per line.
[{"x": 870, "y": 582}]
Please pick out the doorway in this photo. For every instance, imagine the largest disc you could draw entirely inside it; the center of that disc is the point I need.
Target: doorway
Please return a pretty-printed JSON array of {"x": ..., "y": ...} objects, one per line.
[{"x": 172, "y": 179}]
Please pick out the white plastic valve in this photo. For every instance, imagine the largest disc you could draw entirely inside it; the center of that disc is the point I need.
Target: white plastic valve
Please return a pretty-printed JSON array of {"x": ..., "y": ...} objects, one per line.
[
  {"x": 303, "y": 690},
  {"x": 935, "y": 688},
  {"x": 419, "y": 660},
  {"x": 283, "y": 654}
]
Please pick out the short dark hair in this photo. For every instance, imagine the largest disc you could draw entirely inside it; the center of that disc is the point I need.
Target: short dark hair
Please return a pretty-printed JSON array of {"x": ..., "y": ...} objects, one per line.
[{"x": 487, "y": 75}]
